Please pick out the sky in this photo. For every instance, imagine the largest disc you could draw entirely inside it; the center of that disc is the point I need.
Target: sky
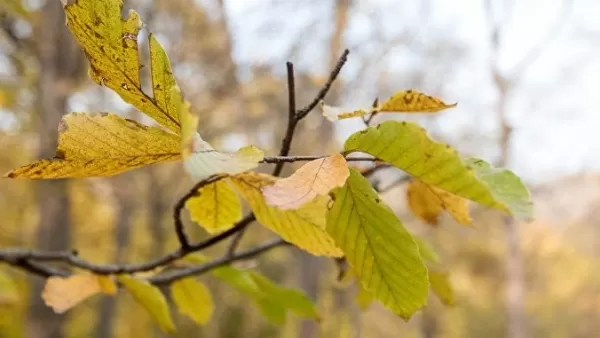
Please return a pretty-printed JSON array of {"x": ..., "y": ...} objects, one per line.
[{"x": 552, "y": 108}]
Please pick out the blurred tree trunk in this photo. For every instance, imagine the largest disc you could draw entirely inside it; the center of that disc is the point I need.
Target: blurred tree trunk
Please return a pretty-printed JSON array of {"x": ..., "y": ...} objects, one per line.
[
  {"x": 125, "y": 202},
  {"x": 60, "y": 64}
]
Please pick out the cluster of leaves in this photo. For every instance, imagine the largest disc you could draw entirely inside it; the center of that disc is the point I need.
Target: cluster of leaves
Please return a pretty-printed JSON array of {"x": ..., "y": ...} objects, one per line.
[{"x": 327, "y": 207}]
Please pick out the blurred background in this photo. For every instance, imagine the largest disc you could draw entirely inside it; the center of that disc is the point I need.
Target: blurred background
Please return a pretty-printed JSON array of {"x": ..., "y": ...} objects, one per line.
[{"x": 525, "y": 75}]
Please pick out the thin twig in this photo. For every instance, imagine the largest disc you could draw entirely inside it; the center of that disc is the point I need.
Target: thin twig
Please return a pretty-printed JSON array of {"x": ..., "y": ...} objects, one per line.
[
  {"x": 325, "y": 89},
  {"x": 235, "y": 242},
  {"x": 291, "y": 159},
  {"x": 374, "y": 112},
  {"x": 286, "y": 143},
  {"x": 171, "y": 276},
  {"x": 394, "y": 184}
]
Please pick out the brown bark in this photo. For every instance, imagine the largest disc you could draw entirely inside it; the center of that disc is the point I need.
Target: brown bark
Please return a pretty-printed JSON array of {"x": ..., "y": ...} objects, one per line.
[{"x": 61, "y": 64}]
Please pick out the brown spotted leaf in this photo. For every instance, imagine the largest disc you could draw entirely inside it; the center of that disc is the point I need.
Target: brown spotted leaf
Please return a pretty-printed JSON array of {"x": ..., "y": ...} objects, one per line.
[
  {"x": 406, "y": 101},
  {"x": 102, "y": 145},
  {"x": 110, "y": 44}
]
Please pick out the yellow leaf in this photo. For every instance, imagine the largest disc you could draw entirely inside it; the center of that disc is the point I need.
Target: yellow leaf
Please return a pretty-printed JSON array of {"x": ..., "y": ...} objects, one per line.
[
  {"x": 215, "y": 207},
  {"x": 406, "y": 101},
  {"x": 304, "y": 227},
  {"x": 110, "y": 44},
  {"x": 63, "y": 293},
  {"x": 107, "y": 285},
  {"x": 412, "y": 101},
  {"x": 9, "y": 293},
  {"x": 441, "y": 286},
  {"x": 151, "y": 299},
  {"x": 193, "y": 299},
  {"x": 363, "y": 297},
  {"x": 427, "y": 202},
  {"x": 102, "y": 145},
  {"x": 314, "y": 178},
  {"x": 201, "y": 160}
]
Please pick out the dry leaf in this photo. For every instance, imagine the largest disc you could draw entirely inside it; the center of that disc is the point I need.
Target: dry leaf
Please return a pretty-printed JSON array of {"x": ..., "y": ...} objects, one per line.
[
  {"x": 62, "y": 293},
  {"x": 314, "y": 178},
  {"x": 427, "y": 202},
  {"x": 406, "y": 101},
  {"x": 410, "y": 101}
]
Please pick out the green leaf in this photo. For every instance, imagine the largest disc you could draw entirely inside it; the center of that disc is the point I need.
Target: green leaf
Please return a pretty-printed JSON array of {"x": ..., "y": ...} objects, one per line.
[
  {"x": 110, "y": 44},
  {"x": 441, "y": 286},
  {"x": 151, "y": 299},
  {"x": 292, "y": 299},
  {"x": 406, "y": 146},
  {"x": 272, "y": 300},
  {"x": 193, "y": 299},
  {"x": 382, "y": 253},
  {"x": 506, "y": 187},
  {"x": 427, "y": 251},
  {"x": 274, "y": 312},
  {"x": 215, "y": 207}
]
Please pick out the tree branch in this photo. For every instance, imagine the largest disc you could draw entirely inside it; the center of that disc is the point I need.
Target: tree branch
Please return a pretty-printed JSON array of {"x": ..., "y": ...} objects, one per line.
[
  {"x": 290, "y": 159},
  {"x": 325, "y": 89},
  {"x": 171, "y": 276}
]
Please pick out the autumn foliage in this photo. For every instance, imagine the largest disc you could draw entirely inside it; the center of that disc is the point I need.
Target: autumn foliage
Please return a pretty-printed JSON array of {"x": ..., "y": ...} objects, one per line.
[{"x": 328, "y": 207}]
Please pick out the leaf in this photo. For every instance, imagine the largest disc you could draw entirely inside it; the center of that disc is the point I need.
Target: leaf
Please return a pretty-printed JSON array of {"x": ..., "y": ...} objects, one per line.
[
  {"x": 506, "y": 187},
  {"x": 364, "y": 298},
  {"x": 441, "y": 286},
  {"x": 63, "y": 293},
  {"x": 291, "y": 299},
  {"x": 9, "y": 293},
  {"x": 151, "y": 299},
  {"x": 304, "y": 227},
  {"x": 428, "y": 202},
  {"x": 406, "y": 146},
  {"x": 381, "y": 252},
  {"x": 272, "y": 300},
  {"x": 111, "y": 47},
  {"x": 107, "y": 285},
  {"x": 314, "y": 178},
  {"x": 193, "y": 299},
  {"x": 102, "y": 145},
  {"x": 272, "y": 311},
  {"x": 215, "y": 207},
  {"x": 405, "y": 101},
  {"x": 239, "y": 279},
  {"x": 413, "y": 101},
  {"x": 426, "y": 250},
  {"x": 201, "y": 160}
]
